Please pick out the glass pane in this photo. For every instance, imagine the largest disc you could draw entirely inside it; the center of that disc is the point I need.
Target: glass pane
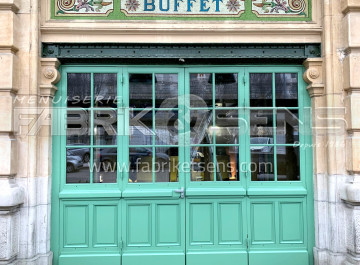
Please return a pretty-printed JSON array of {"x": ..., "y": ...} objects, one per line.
[
  {"x": 79, "y": 90},
  {"x": 140, "y": 90},
  {"x": 105, "y": 86},
  {"x": 166, "y": 90},
  {"x": 140, "y": 161},
  {"x": 200, "y": 90},
  {"x": 226, "y": 127},
  {"x": 105, "y": 165},
  {"x": 287, "y": 122},
  {"x": 262, "y": 163},
  {"x": 227, "y": 159},
  {"x": 202, "y": 164},
  {"x": 261, "y": 90},
  {"x": 166, "y": 164},
  {"x": 286, "y": 86},
  {"x": 105, "y": 127},
  {"x": 261, "y": 125},
  {"x": 200, "y": 123},
  {"x": 166, "y": 127},
  {"x": 78, "y": 127},
  {"x": 288, "y": 163},
  {"x": 226, "y": 90},
  {"x": 76, "y": 170},
  {"x": 141, "y": 127}
]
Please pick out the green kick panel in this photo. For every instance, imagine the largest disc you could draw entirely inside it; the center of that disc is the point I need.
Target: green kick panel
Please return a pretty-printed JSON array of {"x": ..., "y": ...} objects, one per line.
[{"x": 227, "y": 223}]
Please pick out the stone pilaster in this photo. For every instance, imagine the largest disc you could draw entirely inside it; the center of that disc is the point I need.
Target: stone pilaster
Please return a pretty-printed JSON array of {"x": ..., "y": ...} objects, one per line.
[
  {"x": 11, "y": 195},
  {"x": 351, "y": 68}
]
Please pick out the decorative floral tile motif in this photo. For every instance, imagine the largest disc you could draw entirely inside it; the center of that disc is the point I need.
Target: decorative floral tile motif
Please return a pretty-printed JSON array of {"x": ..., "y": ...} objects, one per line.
[
  {"x": 280, "y": 8},
  {"x": 83, "y": 7}
]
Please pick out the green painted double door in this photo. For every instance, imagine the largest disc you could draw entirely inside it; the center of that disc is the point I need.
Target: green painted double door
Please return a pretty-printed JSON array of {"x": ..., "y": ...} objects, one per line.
[{"x": 190, "y": 165}]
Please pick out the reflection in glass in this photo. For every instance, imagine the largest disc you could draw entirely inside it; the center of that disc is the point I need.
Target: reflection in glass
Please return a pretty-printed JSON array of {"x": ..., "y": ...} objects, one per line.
[
  {"x": 140, "y": 161},
  {"x": 286, "y": 86},
  {"x": 141, "y": 127},
  {"x": 287, "y": 130},
  {"x": 200, "y": 123},
  {"x": 140, "y": 90},
  {"x": 227, "y": 159},
  {"x": 105, "y": 127},
  {"x": 78, "y": 90},
  {"x": 226, "y": 127},
  {"x": 202, "y": 163},
  {"x": 166, "y": 162},
  {"x": 262, "y": 163},
  {"x": 105, "y": 165},
  {"x": 261, "y": 90},
  {"x": 288, "y": 163},
  {"x": 261, "y": 123},
  {"x": 105, "y": 90},
  {"x": 78, "y": 127},
  {"x": 166, "y": 127},
  {"x": 166, "y": 88},
  {"x": 76, "y": 170},
  {"x": 226, "y": 90},
  {"x": 200, "y": 90}
]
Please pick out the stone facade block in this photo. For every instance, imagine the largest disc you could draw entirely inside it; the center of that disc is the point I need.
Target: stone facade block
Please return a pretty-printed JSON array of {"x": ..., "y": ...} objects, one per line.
[
  {"x": 9, "y": 72},
  {"x": 352, "y": 105},
  {"x": 9, "y": 30},
  {"x": 353, "y": 233},
  {"x": 8, "y": 155},
  {"x": 9, "y": 234},
  {"x": 6, "y": 112},
  {"x": 353, "y": 153},
  {"x": 351, "y": 71},
  {"x": 351, "y": 29}
]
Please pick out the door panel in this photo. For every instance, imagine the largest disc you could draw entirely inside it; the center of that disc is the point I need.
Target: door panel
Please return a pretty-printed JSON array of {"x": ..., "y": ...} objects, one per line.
[{"x": 154, "y": 210}]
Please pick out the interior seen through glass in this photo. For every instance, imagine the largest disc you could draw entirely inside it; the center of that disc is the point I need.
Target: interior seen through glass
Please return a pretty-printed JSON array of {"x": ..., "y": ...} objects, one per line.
[{"x": 154, "y": 117}]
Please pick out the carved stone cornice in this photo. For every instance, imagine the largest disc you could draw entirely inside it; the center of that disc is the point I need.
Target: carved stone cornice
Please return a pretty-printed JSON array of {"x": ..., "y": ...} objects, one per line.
[
  {"x": 49, "y": 76},
  {"x": 313, "y": 76},
  {"x": 11, "y": 5},
  {"x": 350, "y": 6}
]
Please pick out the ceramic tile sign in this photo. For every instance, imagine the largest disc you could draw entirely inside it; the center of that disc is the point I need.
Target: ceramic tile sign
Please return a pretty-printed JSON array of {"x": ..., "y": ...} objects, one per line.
[
  {"x": 183, "y": 7},
  {"x": 270, "y": 10},
  {"x": 84, "y": 7},
  {"x": 280, "y": 7}
]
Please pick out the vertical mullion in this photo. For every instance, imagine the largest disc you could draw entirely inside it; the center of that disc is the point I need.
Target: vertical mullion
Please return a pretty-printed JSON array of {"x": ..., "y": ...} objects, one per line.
[
  {"x": 214, "y": 128},
  {"x": 91, "y": 128},
  {"x": 119, "y": 126},
  {"x": 275, "y": 126},
  {"x": 181, "y": 145},
  {"x": 154, "y": 129},
  {"x": 187, "y": 133}
]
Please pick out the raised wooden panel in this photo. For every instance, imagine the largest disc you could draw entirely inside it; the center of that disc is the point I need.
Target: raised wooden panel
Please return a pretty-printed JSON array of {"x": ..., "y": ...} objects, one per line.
[
  {"x": 168, "y": 225},
  {"x": 201, "y": 223},
  {"x": 279, "y": 257},
  {"x": 291, "y": 222},
  {"x": 139, "y": 225},
  {"x": 230, "y": 223},
  {"x": 76, "y": 226},
  {"x": 263, "y": 223},
  {"x": 105, "y": 225}
]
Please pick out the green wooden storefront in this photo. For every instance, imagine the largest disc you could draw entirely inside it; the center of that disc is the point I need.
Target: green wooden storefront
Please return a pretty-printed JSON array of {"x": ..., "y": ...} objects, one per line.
[{"x": 236, "y": 182}]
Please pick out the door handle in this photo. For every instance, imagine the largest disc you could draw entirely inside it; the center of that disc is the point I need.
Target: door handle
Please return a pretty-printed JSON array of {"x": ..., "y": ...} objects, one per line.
[{"x": 181, "y": 191}]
